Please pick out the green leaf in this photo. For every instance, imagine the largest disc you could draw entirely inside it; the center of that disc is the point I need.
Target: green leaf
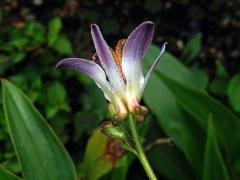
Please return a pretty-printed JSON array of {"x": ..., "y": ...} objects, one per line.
[
  {"x": 177, "y": 124},
  {"x": 54, "y": 27},
  {"x": 218, "y": 86},
  {"x": 36, "y": 32},
  {"x": 233, "y": 92},
  {"x": 200, "y": 105},
  {"x": 19, "y": 42},
  {"x": 172, "y": 67},
  {"x": 119, "y": 171},
  {"x": 214, "y": 167},
  {"x": 39, "y": 151},
  {"x": 220, "y": 69},
  {"x": 56, "y": 99},
  {"x": 173, "y": 120},
  {"x": 18, "y": 57},
  {"x": 169, "y": 163},
  {"x": 96, "y": 159},
  {"x": 201, "y": 76},
  {"x": 7, "y": 175},
  {"x": 62, "y": 45},
  {"x": 192, "y": 49}
]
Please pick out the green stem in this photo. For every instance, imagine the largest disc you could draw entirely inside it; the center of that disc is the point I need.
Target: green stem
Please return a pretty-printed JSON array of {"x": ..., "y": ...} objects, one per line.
[{"x": 140, "y": 153}]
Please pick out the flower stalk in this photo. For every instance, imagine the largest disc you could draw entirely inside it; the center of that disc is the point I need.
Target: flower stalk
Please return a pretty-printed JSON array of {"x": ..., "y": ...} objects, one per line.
[{"x": 139, "y": 149}]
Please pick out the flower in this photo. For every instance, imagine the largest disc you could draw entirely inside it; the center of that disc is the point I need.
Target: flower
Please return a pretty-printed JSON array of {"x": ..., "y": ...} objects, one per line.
[{"x": 119, "y": 74}]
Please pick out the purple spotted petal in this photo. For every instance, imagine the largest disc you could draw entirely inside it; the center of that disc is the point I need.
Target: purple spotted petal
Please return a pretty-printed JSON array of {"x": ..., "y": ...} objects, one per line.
[
  {"x": 90, "y": 69},
  {"x": 106, "y": 59},
  {"x": 136, "y": 46}
]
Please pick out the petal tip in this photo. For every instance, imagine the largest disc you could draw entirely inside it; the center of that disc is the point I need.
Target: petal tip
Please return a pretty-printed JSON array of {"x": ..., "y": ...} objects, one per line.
[
  {"x": 147, "y": 23},
  {"x": 94, "y": 26},
  {"x": 163, "y": 47},
  {"x": 65, "y": 62},
  {"x": 60, "y": 63}
]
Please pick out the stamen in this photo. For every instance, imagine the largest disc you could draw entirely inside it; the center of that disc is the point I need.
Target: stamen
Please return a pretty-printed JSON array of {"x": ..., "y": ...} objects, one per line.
[
  {"x": 94, "y": 57},
  {"x": 117, "y": 55}
]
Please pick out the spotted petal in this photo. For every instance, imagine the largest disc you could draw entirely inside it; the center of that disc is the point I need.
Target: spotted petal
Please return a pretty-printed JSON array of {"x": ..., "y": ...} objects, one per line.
[
  {"x": 133, "y": 52},
  {"x": 107, "y": 60},
  {"x": 91, "y": 69}
]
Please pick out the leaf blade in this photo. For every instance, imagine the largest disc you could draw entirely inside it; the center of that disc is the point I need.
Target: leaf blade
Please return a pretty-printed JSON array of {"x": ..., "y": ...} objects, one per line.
[
  {"x": 7, "y": 175},
  {"x": 200, "y": 105},
  {"x": 32, "y": 137},
  {"x": 214, "y": 167}
]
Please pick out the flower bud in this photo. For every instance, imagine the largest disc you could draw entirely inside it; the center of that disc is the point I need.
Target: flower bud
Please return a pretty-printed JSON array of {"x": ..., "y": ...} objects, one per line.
[
  {"x": 141, "y": 110},
  {"x": 112, "y": 131}
]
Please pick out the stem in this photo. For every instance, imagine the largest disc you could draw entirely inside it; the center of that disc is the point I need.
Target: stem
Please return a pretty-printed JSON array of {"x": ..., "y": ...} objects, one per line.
[{"x": 140, "y": 153}]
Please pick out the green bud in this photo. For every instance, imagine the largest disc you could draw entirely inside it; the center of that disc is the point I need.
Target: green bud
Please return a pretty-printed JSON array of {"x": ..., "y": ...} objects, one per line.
[{"x": 112, "y": 131}]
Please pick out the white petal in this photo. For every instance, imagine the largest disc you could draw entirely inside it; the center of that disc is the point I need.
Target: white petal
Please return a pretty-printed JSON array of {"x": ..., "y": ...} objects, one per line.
[{"x": 150, "y": 71}]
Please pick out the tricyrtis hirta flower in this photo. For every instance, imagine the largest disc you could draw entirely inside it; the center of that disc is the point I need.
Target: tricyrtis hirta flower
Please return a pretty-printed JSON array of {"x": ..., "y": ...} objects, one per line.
[{"x": 119, "y": 74}]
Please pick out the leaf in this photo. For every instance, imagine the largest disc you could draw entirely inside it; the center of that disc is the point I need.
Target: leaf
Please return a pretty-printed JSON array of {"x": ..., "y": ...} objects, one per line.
[
  {"x": 36, "y": 32},
  {"x": 173, "y": 120},
  {"x": 200, "y": 105},
  {"x": 17, "y": 57},
  {"x": 233, "y": 92},
  {"x": 170, "y": 163},
  {"x": 19, "y": 42},
  {"x": 192, "y": 49},
  {"x": 201, "y": 75},
  {"x": 62, "y": 45},
  {"x": 220, "y": 69},
  {"x": 56, "y": 99},
  {"x": 219, "y": 86},
  {"x": 119, "y": 172},
  {"x": 176, "y": 124},
  {"x": 39, "y": 151},
  {"x": 214, "y": 167},
  {"x": 172, "y": 67},
  {"x": 7, "y": 175},
  {"x": 96, "y": 161},
  {"x": 54, "y": 27}
]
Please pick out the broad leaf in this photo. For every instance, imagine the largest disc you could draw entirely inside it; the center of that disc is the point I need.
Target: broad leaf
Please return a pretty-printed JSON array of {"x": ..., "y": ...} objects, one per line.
[
  {"x": 170, "y": 163},
  {"x": 170, "y": 66},
  {"x": 39, "y": 151},
  {"x": 200, "y": 105},
  {"x": 175, "y": 122},
  {"x": 214, "y": 167},
  {"x": 7, "y": 175}
]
